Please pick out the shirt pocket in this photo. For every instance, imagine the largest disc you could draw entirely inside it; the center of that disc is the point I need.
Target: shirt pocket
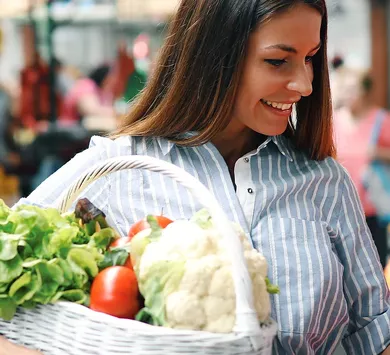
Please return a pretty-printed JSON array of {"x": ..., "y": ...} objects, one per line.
[{"x": 303, "y": 263}]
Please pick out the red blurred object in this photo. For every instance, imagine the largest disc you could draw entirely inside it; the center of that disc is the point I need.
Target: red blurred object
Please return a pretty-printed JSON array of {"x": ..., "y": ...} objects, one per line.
[
  {"x": 35, "y": 88},
  {"x": 123, "y": 68},
  {"x": 35, "y": 96}
]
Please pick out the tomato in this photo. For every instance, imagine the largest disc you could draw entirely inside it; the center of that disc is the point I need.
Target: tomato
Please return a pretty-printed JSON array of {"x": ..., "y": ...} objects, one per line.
[
  {"x": 114, "y": 291},
  {"x": 119, "y": 243},
  {"x": 143, "y": 224}
]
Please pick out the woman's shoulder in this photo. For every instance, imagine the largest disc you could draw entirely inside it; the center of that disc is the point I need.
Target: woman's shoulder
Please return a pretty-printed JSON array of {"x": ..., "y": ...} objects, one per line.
[
  {"x": 329, "y": 167},
  {"x": 129, "y": 145},
  {"x": 112, "y": 145}
]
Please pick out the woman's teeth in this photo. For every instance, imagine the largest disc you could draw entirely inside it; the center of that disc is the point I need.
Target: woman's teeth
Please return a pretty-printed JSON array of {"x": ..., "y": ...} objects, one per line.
[{"x": 277, "y": 105}]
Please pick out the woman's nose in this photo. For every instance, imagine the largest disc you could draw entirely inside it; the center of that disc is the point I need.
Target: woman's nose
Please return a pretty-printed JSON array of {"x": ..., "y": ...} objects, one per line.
[{"x": 302, "y": 81}]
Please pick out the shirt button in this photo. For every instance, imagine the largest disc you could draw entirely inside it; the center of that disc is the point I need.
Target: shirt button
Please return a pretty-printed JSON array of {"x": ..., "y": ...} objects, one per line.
[
  {"x": 246, "y": 160},
  {"x": 250, "y": 191}
]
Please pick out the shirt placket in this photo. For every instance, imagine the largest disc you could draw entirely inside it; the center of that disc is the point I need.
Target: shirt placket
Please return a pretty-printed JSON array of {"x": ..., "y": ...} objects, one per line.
[{"x": 246, "y": 191}]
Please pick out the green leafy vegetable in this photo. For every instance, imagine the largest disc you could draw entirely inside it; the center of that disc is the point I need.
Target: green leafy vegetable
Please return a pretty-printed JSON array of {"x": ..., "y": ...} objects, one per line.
[
  {"x": 10, "y": 269},
  {"x": 164, "y": 277},
  {"x": 46, "y": 257},
  {"x": 114, "y": 257},
  {"x": 8, "y": 246},
  {"x": 7, "y": 307},
  {"x": 273, "y": 289}
]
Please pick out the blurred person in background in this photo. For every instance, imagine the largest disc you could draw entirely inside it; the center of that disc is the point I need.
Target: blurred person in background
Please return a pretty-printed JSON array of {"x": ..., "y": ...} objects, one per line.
[
  {"x": 92, "y": 100},
  {"x": 87, "y": 97},
  {"x": 354, "y": 122}
]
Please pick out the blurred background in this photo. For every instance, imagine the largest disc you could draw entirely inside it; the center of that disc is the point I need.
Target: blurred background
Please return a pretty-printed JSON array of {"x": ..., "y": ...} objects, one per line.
[{"x": 70, "y": 68}]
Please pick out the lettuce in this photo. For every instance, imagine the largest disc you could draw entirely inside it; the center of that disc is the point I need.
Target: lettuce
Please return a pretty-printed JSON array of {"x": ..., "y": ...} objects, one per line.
[{"x": 46, "y": 257}]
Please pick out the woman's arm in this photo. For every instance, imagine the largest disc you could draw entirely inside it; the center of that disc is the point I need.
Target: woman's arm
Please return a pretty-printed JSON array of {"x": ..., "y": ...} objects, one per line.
[
  {"x": 365, "y": 288},
  {"x": 8, "y": 348},
  {"x": 387, "y": 351}
]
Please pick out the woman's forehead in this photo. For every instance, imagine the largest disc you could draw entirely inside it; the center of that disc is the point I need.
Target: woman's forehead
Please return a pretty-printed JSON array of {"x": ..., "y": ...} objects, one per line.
[{"x": 299, "y": 26}]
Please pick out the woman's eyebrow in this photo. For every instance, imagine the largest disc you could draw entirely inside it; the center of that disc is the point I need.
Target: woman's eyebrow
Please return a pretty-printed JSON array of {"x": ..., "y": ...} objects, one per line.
[{"x": 289, "y": 49}]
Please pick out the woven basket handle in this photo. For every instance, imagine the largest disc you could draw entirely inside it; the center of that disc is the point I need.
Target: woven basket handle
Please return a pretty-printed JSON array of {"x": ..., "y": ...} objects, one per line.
[{"x": 246, "y": 317}]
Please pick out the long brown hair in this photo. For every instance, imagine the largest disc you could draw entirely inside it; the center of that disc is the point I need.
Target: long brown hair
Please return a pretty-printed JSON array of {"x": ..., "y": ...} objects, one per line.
[{"x": 194, "y": 84}]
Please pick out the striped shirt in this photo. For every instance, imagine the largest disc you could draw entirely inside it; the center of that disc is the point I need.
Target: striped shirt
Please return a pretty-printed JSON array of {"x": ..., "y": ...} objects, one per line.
[{"x": 304, "y": 216}]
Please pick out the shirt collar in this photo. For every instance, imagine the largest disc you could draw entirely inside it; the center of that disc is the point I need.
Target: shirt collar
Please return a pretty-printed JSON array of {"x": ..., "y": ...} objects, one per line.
[
  {"x": 280, "y": 141},
  {"x": 165, "y": 145},
  {"x": 284, "y": 146}
]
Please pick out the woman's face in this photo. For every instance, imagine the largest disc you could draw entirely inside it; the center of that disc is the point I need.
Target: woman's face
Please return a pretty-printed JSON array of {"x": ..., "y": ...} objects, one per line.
[{"x": 277, "y": 70}]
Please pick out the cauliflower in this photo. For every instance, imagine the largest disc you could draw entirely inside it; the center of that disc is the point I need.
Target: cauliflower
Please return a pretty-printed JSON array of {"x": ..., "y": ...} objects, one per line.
[{"x": 184, "y": 274}]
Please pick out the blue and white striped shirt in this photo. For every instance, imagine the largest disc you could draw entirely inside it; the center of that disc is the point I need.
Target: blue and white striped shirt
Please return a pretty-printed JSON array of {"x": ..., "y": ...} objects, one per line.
[{"x": 304, "y": 216}]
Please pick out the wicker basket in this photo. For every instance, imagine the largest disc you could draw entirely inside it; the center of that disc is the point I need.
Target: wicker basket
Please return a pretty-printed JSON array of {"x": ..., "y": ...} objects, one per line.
[{"x": 68, "y": 328}]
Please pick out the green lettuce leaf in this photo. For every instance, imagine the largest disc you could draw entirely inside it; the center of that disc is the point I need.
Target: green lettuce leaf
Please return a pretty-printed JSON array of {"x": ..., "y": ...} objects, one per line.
[
  {"x": 8, "y": 245},
  {"x": 203, "y": 219},
  {"x": 102, "y": 239},
  {"x": 83, "y": 259},
  {"x": 114, "y": 257},
  {"x": 75, "y": 296},
  {"x": 162, "y": 279},
  {"x": 61, "y": 240},
  {"x": 10, "y": 269},
  {"x": 7, "y": 307},
  {"x": 4, "y": 213},
  {"x": 52, "y": 277},
  {"x": 66, "y": 269},
  {"x": 24, "y": 288},
  {"x": 24, "y": 249}
]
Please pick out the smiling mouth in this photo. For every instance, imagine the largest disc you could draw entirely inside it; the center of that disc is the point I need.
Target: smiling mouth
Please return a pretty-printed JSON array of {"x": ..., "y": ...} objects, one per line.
[{"x": 277, "y": 105}]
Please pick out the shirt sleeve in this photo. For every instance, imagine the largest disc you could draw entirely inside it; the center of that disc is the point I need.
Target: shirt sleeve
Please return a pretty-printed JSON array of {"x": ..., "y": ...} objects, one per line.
[
  {"x": 365, "y": 288},
  {"x": 49, "y": 193}
]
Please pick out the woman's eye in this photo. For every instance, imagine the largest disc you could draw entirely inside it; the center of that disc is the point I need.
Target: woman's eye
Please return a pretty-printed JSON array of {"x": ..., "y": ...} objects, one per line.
[
  {"x": 309, "y": 59},
  {"x": 276, "y": 62}
]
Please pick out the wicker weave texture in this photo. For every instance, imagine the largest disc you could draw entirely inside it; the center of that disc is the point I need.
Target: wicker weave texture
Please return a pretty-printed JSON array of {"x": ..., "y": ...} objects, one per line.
[{"x": 67, "y": 328}]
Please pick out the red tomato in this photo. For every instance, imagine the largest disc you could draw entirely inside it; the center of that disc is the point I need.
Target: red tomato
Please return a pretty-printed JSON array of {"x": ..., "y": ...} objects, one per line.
[
  {"x": 120, "y": 242},
  {"x": 114, "y": 291},
  {"x": 143, "y": 224}
]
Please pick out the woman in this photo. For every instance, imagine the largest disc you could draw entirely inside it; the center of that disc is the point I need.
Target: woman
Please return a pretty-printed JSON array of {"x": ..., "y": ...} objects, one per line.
[
  {"x": 219, "y": 105},
  {"x": 354, "y": 124}
]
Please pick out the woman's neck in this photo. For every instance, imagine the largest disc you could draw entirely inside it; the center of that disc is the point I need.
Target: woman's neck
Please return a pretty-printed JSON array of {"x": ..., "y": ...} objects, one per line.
[{"x": 234, "y": 144}]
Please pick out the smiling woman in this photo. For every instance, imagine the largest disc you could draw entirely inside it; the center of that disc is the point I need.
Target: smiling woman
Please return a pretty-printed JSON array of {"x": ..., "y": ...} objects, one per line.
[
  {"x": 219, "y": 106},
  {"x": 280, "y": 52},
  {"x": 211, "y": 72}
]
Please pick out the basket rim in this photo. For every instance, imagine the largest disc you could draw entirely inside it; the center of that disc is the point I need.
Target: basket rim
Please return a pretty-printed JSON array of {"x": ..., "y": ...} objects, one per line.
[{"x": 268, "y": 328}]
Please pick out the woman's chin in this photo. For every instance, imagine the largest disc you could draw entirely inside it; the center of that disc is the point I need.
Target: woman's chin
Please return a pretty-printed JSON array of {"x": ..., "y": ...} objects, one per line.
[{"x": 274, "y": 130}]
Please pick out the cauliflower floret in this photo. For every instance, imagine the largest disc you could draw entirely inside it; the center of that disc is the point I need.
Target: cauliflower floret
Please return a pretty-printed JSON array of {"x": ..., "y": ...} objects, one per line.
[
  {"x": 199, "y": 274},
  {"x": 181, "y": 304},
  {"x": 220, "y": 314},
  {"x": 222, "y": 284},
  {"x": 261, "y": 297},
  {"x": 181, "y": 240}
]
